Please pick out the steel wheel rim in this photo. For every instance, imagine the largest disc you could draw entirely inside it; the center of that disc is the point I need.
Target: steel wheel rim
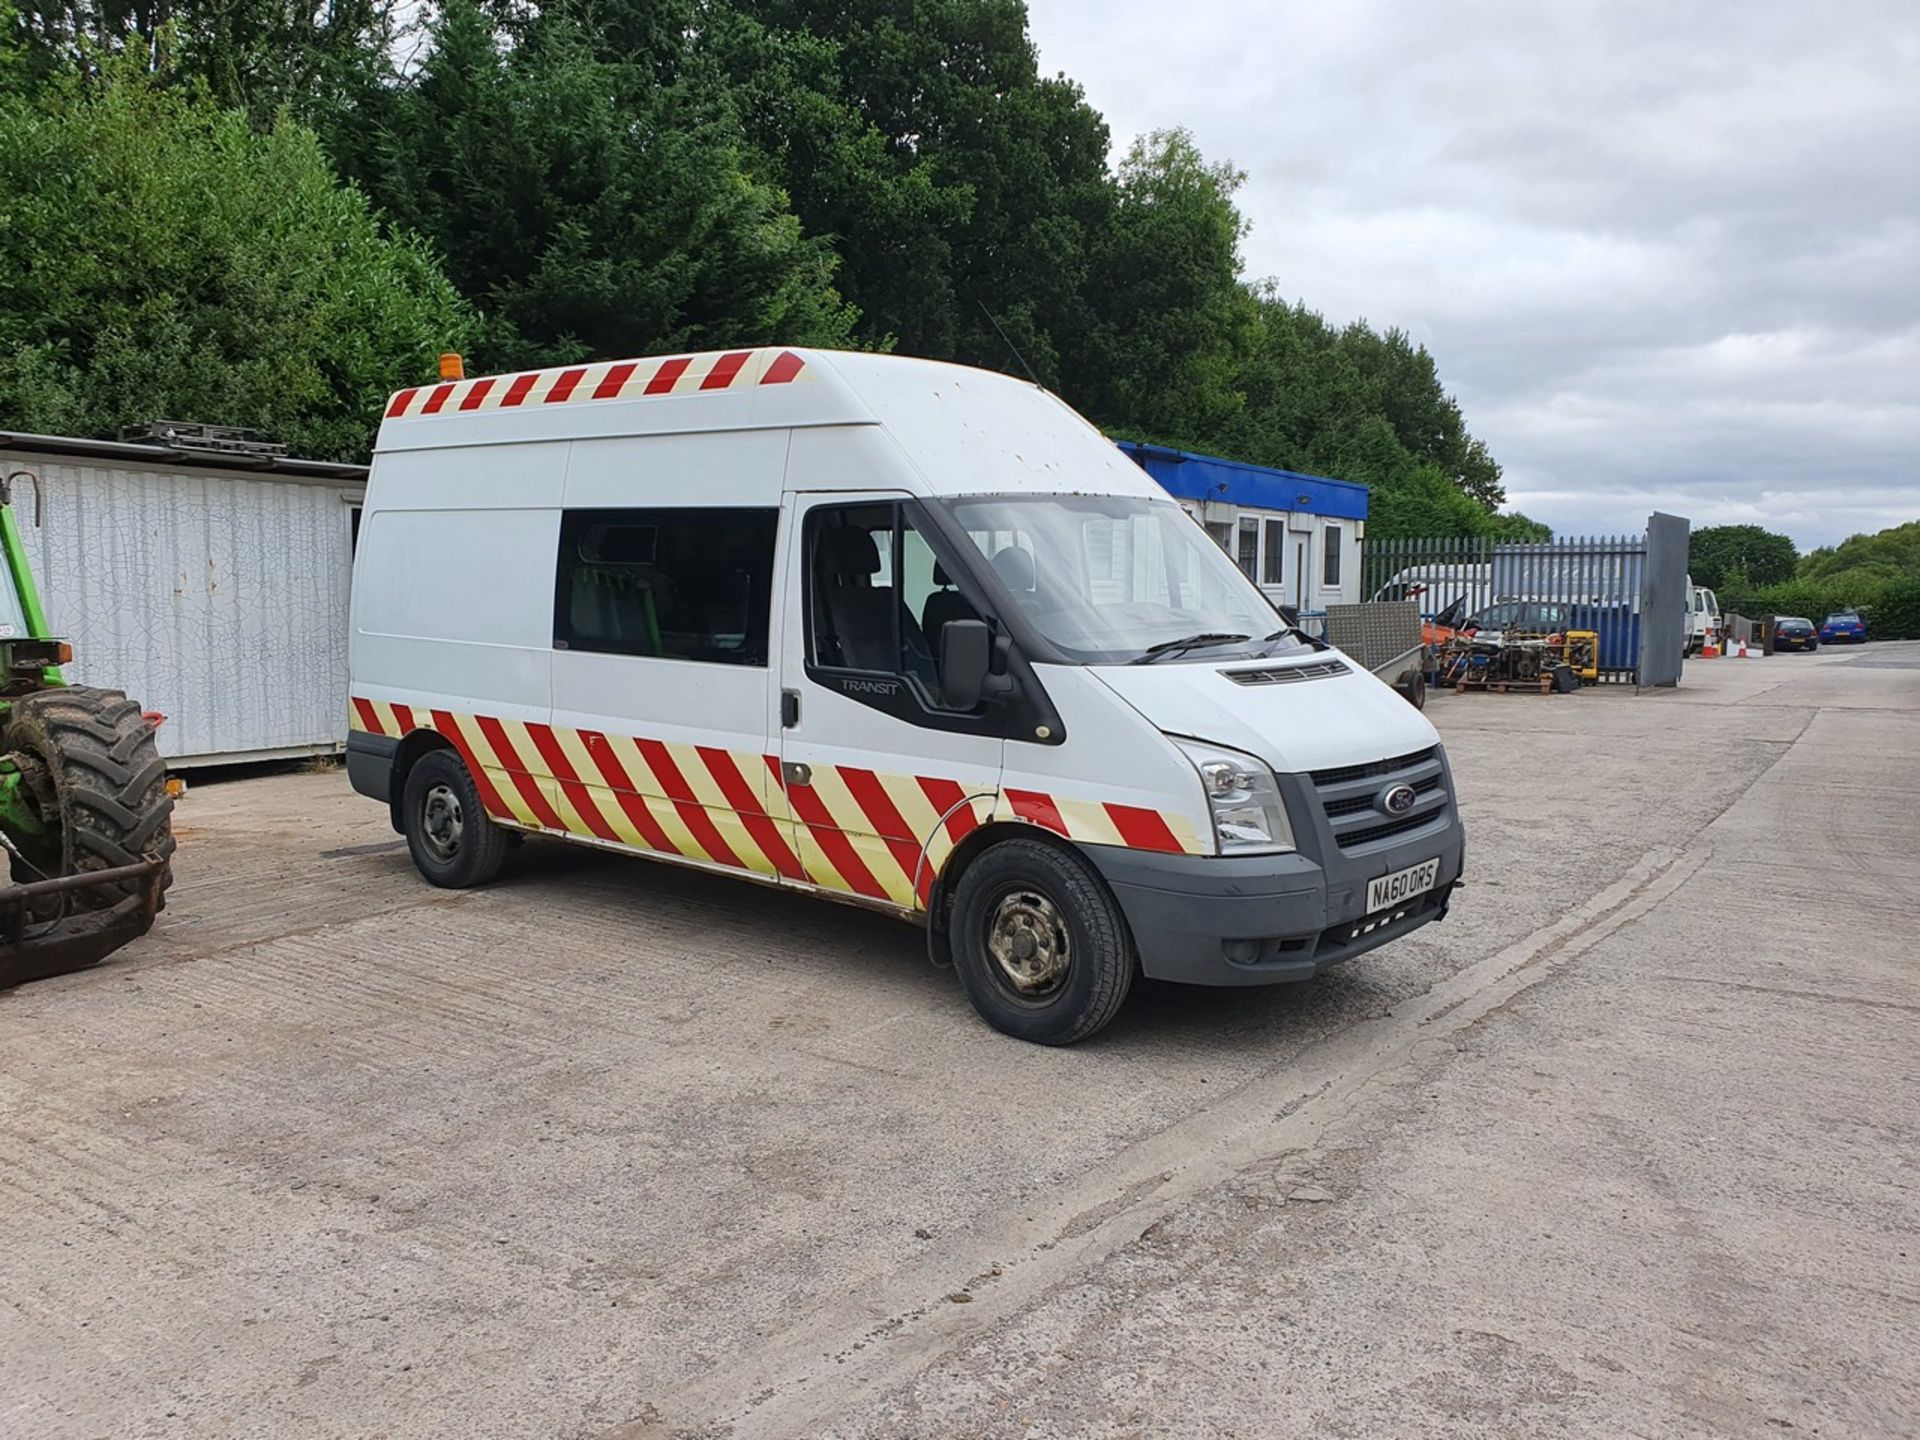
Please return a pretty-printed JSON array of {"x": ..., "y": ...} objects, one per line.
[
  {"x": 1029, "y": 945},
  {"x": 441, "y": 822}
]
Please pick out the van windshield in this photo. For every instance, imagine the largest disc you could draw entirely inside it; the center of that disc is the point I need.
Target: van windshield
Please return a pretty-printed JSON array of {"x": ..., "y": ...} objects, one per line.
[{"x": 1111, "y": 579}]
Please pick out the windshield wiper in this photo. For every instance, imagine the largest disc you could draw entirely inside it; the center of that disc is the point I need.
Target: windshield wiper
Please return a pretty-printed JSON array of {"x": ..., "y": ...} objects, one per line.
[{"x": 1185, "y": 642}]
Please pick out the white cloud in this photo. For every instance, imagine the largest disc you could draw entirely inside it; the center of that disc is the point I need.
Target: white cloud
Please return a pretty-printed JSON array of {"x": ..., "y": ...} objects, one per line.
[{"x": 1667, "y": 256}]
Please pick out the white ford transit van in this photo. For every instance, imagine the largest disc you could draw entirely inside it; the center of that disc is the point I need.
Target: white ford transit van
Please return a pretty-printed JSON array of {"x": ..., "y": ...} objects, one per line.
[{"x": 895, "y": 632}]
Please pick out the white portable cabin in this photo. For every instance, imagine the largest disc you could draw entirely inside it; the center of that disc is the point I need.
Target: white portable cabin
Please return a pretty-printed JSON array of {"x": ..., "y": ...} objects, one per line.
[
  {"x": 210, "y": 586},
  {"x": 1297, "y": 536}
]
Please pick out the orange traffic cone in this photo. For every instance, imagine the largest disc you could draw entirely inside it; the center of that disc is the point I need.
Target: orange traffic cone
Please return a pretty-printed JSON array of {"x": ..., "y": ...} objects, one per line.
[{"x": 1709, "y": 650}]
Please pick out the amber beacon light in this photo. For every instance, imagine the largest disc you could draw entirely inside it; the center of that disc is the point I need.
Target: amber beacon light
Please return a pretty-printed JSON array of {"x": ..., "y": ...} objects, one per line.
[{"x": 452, "y": 367}]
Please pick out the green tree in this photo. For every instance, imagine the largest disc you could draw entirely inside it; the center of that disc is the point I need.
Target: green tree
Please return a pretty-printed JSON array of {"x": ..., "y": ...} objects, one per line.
[
  {"x": 1172, "y": 322},
  {"x": 965, "y": 191},
  {"x": 1510, "y": 527},
  {"x": 593, "y": 205},
  {"x": 1890, "y": 554},
  {"x": 161, "y": 258},
  {"x": 257, "y": 55},
  {"x": 1405, "y": 387},
  {"x": 1716, "y": 552}
]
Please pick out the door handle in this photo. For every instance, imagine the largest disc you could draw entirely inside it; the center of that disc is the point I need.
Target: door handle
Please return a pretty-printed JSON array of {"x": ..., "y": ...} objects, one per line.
[
  {"x": 789, "y": 709},
  {"x": 796, "y": 772}
]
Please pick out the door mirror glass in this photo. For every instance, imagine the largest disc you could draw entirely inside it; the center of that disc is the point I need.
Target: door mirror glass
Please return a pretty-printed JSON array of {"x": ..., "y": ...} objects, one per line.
[{"x": 965, "y": 653}]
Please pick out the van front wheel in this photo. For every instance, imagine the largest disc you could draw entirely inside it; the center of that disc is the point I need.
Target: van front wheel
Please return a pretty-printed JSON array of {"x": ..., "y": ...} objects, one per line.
[
  {"x": 454, "y": 844},
  {"x": 1041, "y": 948}
]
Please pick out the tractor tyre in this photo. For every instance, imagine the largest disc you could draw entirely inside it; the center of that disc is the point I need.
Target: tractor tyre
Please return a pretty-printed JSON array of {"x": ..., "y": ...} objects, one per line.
[{"x": 99, "y": 786}]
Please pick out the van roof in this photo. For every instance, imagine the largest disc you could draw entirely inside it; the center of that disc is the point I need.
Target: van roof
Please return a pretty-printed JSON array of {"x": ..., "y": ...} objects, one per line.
[{"x": 965, "y": 430}]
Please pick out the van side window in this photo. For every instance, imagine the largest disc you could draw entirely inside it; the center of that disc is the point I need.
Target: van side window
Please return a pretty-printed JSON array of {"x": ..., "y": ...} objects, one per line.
[{"x": 669, "y": 584}]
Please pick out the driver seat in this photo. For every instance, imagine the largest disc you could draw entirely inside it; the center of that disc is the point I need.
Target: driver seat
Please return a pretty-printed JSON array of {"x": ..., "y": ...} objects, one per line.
[{"x": 943, "y": 607}]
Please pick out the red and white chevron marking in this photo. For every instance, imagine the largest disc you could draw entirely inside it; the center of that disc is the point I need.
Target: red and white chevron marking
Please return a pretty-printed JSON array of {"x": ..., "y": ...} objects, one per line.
[
  {"x": 857, "y": 831},
  {"x": 605, "y": 380}
]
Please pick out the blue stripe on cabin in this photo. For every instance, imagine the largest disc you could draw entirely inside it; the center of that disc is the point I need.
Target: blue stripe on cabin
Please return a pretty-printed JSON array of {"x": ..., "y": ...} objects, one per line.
[{"x": 1187, "y": 476}]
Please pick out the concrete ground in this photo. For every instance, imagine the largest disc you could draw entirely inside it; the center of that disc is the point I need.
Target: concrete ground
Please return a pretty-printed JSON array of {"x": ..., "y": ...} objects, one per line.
[{"x": 1625, "y": 1147}]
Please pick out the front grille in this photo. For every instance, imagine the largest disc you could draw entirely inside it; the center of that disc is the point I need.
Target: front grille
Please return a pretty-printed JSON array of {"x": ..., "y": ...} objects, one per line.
[
  {"x": 1359, "y": 804},
  {"x": 1289, "y": 674},
  {"x": 1386, "y": 829},
  {"x": 1371, "y": 769},
  {"x": 1349, "y": 796}
]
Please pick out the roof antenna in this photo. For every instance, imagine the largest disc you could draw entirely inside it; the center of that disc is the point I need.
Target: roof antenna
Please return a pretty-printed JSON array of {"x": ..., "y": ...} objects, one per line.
[{"x": 1010, "y": 345}]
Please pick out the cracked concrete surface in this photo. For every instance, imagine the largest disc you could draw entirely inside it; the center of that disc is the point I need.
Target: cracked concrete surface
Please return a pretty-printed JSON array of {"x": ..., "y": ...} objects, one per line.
[{"x": 1624, "y": 1147}]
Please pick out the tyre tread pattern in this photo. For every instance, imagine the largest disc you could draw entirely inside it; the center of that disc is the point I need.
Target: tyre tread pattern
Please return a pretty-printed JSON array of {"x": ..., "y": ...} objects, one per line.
[
  {"x": 483, "y": 845},
  {"x": 1107, "y": 956},
  {"x": 109, "y": 784}
]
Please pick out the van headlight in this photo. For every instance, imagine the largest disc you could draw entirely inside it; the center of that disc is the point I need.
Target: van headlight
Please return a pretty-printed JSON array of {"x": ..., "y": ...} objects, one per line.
[{"x": 1249, "y": 817}]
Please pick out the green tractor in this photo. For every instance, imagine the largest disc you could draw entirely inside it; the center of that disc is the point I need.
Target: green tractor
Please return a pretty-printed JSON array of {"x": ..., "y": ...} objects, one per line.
[{"x": 86, "y": 838}]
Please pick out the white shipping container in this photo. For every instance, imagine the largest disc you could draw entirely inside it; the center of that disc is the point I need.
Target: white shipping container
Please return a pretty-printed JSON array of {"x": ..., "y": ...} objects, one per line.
[{"x": 216, "y": 596}]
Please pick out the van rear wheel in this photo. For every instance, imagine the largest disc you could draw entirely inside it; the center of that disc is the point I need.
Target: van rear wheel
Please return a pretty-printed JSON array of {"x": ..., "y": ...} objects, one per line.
[
  {"x": 454, "y": 844},
  {"x": 1041, "y": 948}
]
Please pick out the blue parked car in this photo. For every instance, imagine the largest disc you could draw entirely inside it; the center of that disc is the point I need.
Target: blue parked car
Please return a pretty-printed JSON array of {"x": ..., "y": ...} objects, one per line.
[{"x": 1843, "y": 627}]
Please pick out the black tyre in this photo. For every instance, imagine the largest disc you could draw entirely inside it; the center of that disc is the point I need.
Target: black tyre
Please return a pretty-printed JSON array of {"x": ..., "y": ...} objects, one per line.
[
  {"x": 453, "y": 842},
  {"x": 94, "y": 775},
  {"x": 1041, "y": 948},
  {"x": 1413, "y": 688}
]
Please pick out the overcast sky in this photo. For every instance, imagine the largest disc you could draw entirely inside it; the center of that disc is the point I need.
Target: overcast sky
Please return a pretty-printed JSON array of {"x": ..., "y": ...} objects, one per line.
[{"x": 1666, "y": 255}]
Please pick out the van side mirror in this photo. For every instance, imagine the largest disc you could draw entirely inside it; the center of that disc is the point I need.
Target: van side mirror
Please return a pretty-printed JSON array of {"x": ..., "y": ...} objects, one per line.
[
  {"x": 1290, "y": 614},
  {"x": 966, "y": 651}
]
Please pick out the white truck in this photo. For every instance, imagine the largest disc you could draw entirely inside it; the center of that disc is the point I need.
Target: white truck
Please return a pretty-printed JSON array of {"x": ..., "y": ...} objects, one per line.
[
  {"x": 894, "y": 632},
  {"x": 1704, "y": 625}
]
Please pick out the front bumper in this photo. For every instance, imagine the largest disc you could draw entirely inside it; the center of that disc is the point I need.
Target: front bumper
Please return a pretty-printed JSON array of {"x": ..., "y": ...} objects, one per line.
[{"x": 1269, "y": 919}]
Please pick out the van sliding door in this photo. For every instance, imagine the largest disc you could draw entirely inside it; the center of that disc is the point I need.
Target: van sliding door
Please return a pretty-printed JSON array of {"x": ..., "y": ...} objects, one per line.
[{"x": 663, "y": 594}]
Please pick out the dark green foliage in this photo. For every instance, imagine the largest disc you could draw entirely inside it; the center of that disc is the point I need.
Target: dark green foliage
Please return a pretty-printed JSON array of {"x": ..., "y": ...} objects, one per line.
[
  {"x": 590, "y": 208},
  {"x": 161, "y": 259},
  {"x": 1888, "y": 555},
  {"x": 1878, "y": 575},
  {"x": 256, "y": 55},
  {"x": 1718, "y": 553},
  {"x": 1513, "y": 528},
  {"x": 1171, "y": 322},
  {"x": 956, "y": 182},
  {"x": 1895, "y": 615},
  {"x": 622, "y": 177}
]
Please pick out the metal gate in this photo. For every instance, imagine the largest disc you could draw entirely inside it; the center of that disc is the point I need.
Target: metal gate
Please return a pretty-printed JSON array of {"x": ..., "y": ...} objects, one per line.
[
  {"x": 1664, "y": 593},
  {"x": 1603, "y": 583}
]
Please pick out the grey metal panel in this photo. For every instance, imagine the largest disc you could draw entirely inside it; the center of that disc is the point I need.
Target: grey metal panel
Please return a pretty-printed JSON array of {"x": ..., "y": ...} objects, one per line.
[
  {"x": 220, "y": 599},
  {"x": 1376, "y": 633},
  {"x": 141, "y": 453},
  {"x": 1663, "y": 600}
]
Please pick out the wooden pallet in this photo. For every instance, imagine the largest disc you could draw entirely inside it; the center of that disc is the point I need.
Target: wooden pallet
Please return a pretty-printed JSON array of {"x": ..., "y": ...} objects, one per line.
[{"x": 1542, "y": 686}]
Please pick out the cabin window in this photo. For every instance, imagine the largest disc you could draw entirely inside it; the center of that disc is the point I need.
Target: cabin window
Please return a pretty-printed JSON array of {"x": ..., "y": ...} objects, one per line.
[{"x": 1276, "y": 551}]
